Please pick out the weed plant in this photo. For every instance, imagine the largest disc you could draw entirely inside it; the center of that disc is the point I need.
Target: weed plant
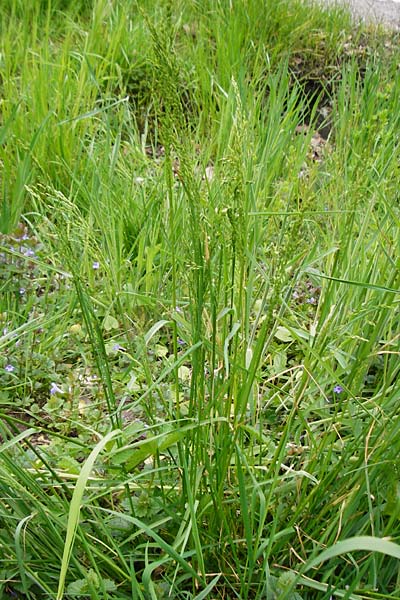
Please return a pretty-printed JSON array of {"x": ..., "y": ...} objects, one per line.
[{"x": 199, "y": 302}]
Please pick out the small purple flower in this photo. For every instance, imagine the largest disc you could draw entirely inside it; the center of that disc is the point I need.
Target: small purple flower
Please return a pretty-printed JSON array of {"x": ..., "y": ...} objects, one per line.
[
  {"x": 116, "y": 347},
  {"x": 338, "y": 389},
  {"x": 9, "y": 368},
  {"x": 29, "y": 252},
  {"x": 311, "y": 300},
  {"x": 96, "y": 265},
  {"x": 54, "y": 389},
  {"x": 22, "y": 291},
  {"x": 181, "y": 342}
]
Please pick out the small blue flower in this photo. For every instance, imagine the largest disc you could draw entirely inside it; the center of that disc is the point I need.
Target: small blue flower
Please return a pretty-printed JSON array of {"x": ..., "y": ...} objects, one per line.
[
  {"x": 29, "y": 253},
  {"x": 338, "y": 389},
  {"x": 96, "y": 265},
  {"x": 9, "y": 368},
  {"x": 54, "y": 389}
]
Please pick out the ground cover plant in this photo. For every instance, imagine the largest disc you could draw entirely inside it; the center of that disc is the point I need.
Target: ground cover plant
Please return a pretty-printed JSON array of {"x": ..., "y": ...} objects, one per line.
[{"x": 199, "y": 302}]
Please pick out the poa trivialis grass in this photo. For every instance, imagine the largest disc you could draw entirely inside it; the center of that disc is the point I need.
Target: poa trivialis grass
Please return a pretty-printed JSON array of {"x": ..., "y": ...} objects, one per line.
[{"x": 200, "y": 302}]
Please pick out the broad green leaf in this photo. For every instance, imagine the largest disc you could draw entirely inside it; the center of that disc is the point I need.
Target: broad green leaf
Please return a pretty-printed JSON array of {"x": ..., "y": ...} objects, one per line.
[
  {"x": 152, "y": 447},
  {"x": 362, "y": 543},
  {"x": 110, "y": 323},
  {"x": 283, "y": 334},
  {"x": 184, "y": 373}
]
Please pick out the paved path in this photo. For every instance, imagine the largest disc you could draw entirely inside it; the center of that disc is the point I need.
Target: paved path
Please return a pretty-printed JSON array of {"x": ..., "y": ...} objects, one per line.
[{"x": 386, "y": 12}]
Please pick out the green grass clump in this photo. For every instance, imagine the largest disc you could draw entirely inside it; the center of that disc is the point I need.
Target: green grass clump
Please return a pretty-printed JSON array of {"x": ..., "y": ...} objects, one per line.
[{"x": 199, "y": 310}]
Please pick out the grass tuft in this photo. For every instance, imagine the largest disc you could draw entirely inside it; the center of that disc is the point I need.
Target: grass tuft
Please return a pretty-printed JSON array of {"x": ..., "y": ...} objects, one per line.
[{"x": 200, "y": 284}]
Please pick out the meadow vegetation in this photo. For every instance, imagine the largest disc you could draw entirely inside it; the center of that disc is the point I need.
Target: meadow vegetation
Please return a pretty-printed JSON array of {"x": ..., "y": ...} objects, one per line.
[{"x": 199, "y": 309}]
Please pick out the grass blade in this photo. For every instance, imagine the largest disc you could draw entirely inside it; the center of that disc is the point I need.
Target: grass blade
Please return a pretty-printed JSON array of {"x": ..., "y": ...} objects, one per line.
[{"x": 75, "y": 508}]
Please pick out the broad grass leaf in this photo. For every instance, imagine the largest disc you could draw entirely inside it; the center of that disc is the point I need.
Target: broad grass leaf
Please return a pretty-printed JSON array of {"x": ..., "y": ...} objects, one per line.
[
  {"x": 75, "y": 508},
  {"x": 361, "y": 543}
]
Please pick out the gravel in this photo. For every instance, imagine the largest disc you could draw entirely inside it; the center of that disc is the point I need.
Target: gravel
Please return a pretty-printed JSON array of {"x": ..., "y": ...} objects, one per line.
[{"x": 385, "y": 12}]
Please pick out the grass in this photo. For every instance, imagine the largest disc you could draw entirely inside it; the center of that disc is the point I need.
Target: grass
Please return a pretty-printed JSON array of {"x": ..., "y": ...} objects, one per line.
[{"x": 200, "y": 302}]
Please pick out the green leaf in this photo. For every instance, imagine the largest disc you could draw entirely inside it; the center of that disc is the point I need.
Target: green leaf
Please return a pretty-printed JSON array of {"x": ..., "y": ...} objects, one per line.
[
  {"x": 361, "y": 543},
  {"x": 17, "y": 439},
  {"x": 69, "y": 464},
  {"x": 153, "y": 330},
  {"x": 283, "y": 334},
  {"x": 75, "y": 508},
  {"x": 279, "y": 362},
  {"x": 152, "y": 447},
  {"x": 110, "y": 323},
  {"x": 93, "y": 113},
  {"x": 138, "y": 452},
  {"x": 109, "y": 585},
  {"x": 184, "y": 373},
  {"x": 78, "y": 588},
  {"x": 132, "y": 385},
  {"x": 205, "y": 593},
  {"x": 5, "y": 128},
  {"x": 361, "y": 284}
]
